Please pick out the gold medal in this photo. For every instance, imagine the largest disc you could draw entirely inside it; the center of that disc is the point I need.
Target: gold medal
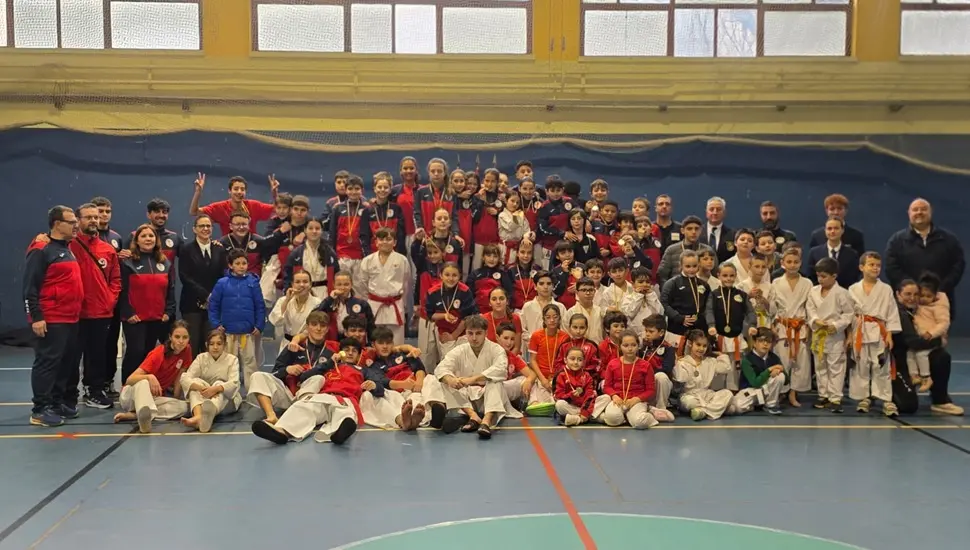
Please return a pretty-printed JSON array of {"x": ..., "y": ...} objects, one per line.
[{"x": 727, "y": 328}]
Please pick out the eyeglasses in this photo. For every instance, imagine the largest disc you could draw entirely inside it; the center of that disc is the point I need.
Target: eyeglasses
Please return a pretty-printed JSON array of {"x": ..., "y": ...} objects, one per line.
[{"x": 69, "y": 222}]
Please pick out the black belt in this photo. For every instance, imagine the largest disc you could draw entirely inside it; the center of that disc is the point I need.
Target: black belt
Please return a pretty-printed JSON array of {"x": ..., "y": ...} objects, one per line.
[{"x": 315, "y": 284}]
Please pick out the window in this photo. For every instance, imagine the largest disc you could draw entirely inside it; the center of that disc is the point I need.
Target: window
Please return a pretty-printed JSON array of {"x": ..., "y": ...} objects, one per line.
[
  {"x": 100, "y": 24},
  {"x": 716, "y": 28},
  {"x": 393, "y": 26},
  {"x": 935, "y": 27}
]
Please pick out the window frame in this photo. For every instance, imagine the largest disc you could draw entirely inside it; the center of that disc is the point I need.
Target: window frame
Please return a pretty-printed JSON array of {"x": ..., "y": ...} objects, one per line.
[
  {"x": 932, "y": 6},
  {"x": 106, "y": 16},
  {"x": 761, "y": 7},
  {"x": 440, "y": 6}
]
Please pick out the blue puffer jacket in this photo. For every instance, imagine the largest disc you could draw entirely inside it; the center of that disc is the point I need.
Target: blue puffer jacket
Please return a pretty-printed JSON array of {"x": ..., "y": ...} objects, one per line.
[{"x": 236, "y": 304}]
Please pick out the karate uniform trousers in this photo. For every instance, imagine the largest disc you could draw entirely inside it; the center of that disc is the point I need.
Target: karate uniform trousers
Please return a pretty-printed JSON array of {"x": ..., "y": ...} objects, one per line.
[
  {"x": 713, "y": 403},
  {"x": 222, "y": 403},
  {"x": 309, "y": 411},
  {"x": 248, "y": 349},
  {"x": 428, "y": 344},
  {"x": 133, "y": 398},
  {"x": 798, "y": 365},
  {"x": 830, "y": 367},
  {"x": 662, "y": 388},
  {"x": 488, "y": 399},
  {"x": 381, "y": 412},
  {"x": 264, "y": 383},
  {"x": 605, "y": 411},
  {"x": 747, "y": 399},
  {"x": 267, "y": 280},
  {"x": 870, "y": 377},
  {"x": 731, "y": 381}
]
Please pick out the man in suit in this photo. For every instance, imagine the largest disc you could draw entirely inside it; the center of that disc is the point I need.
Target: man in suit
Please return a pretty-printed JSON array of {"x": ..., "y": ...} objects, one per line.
[
  {"x": 715, "y": 234},
  {"x": 202, "y": 261},
  {"x": 837, "y": 206},
  {"x": 835, "y": 248}
]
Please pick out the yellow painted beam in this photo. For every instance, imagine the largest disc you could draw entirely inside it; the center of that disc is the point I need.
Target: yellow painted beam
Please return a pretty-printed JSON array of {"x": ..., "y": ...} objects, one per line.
[
  {"x": 542, "y": 29},
  {"x": 226, "y": 31},
  {"x": 570, "y": 25},
  {"x": 877, "y": 26}
]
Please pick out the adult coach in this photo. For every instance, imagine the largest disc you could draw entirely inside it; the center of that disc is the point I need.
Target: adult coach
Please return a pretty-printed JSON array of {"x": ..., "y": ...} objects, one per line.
[
  {"x": 53, "y": 294},
  {"x": 923, "y": 247},
  {"x": 837, "y": 206}
]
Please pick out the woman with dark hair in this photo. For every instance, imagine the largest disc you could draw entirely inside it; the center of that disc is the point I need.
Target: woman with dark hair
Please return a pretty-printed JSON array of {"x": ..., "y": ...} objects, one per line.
[
  {"x": 153, "y": 390},
  {"x": 909, "y": 339},
  {"x": 147, "y": 300},
  {"x": 315, "y": 257}
]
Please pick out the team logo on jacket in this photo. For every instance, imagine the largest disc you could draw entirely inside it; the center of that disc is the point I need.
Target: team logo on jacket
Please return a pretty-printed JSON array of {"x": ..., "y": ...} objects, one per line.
[
  {"x": 497, "y": 203},
  {"x": 568, "y": 206},
  {"x": 355, "y": 308},
  {"x": 700, "y": 290},
  {"x": 178, "y": 365},
  {"x": 102, "y": 263},
  {"x": 114, "y": 243},
  {"x": 656, "y": 242},
  {"x": 449, "y": 249},
  {"x": 466, "y": 203},
  {"x": 660, "y": 350},
  {"x": 636, "y": 264},
  {"x": 169, "y": 243},
  {"x": 252, "y": 245},
  {"x": 532, "y": 273},
  {"x": 675, "y": 236},
  {"x": 780, "y": 240},
  {"x": 160, "y": 267},
  {"x": 390, "y": 213},
  {"x": 496, "y": 275},
  {"x": 398, "y": 359},
  {"x": 457, "y": 303},
  {"x": 730, "y": 246},
  {"x": 737, "y": 298}
]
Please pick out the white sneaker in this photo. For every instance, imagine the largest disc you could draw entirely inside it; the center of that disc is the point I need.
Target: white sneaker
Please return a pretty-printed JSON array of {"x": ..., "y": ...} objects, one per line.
[
  {"x": 947, "y": 408},
  {"x": 863, "y": 406},
  {"x": 889, "y": 409},
  {"x": 572, "y": 420}
]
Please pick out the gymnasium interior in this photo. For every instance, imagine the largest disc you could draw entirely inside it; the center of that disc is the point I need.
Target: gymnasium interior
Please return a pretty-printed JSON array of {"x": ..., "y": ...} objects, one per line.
[{"x": 749, "y": 100}]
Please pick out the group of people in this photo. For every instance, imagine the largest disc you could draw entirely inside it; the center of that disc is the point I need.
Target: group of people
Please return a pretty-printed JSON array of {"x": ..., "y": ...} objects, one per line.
[{"x": 526, "y": 299}]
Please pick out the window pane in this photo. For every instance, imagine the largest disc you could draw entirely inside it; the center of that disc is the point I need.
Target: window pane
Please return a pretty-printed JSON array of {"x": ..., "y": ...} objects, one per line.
[
  {"x": 737, "y": 33},
  {"x": 415, "y": 29},
  {"x": 694, "y": 33},
  {"x": 935, "y": 33},
  {"x": 82, "y": 24},
  {"x": 3, "y": 22},
  {"x": 805, "y": 33},
  {"x": 291, "y": 28},
  {"x": 484, "y": 30},
  {"x": 370, "y": 28},
  {"x": 625, "y": 33},
  {"x": 155, "y": 25},
  {"x": 35, "y": 23}
]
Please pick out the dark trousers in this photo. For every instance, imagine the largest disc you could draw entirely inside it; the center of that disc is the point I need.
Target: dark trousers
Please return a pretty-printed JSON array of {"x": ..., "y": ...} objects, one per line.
[
  {"x": 198, "y": 329},
  {"x": 140, "y": 338},
  {"x": 940, "y": 363},
  {"x": 111, "y": 348},
  {"x": 53, "y": 362},
  {"x": 89, "y": 349}
]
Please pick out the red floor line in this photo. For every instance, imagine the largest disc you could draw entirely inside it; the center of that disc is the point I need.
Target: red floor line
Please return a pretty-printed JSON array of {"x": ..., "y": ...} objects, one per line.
[{"x": 567, "y": 502}]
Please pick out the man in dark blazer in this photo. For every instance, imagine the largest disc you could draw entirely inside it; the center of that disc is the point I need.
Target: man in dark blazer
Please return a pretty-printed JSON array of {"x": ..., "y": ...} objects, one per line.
[
  {"x": 833, "y": 247},
  {"x": 202, "y": 262},
  {"x": 714, "y": 233},
  {"x": 837, "y": 206}
]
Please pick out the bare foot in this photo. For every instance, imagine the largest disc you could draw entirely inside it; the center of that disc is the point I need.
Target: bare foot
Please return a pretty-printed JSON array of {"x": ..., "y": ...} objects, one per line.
[
  {"x": 271, "y": 420},
  {"x": 417, "y": 416},
  {"x": 125, "y": 417},
  {"x": 406, "y": 415},
  {"x": 793, "y": 400},
  {"x": 192, "y": 422}
]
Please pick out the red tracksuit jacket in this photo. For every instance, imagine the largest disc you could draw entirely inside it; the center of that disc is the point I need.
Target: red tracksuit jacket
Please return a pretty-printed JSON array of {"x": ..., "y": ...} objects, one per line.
[
  {"x": 147, "y": 289},
  {"x": 486, "y": 225},
  {"x": 629, "y": 381},
  {"x": 403, "y": 195},
  {"x": 553, "y": 220},
  {"x": 53, "y": 290},
  {"x": 427, "y": 199},
  {"x": 376, "y": 216},
  {"x": 100, "y": 276},
  {"x": 590, "y": 352},
  {"x": 483, "y": 281},
  {"x": 169, "y": 240},
  {"x": 523, "y": 288},
  {"x": 344, "y": 232},
  {"x": 567, "y": 382}
]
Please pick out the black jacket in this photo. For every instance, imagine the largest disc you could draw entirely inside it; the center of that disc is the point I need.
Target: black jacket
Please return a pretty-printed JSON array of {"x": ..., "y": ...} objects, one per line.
[
  {"x": 848, "y": 264},
  {"x": 908, "y": 256},
  {"x": 198, "y": 276},
  {"x": 850, "y": 236}
]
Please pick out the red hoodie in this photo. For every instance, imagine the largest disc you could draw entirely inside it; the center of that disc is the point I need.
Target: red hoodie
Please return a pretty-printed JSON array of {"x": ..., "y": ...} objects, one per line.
[{"x": 100, "y": 276}]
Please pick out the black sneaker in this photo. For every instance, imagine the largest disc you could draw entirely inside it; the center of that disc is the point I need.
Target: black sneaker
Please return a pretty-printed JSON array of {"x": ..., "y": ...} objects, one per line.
[
  {"x": 66, "y": 411},
  {"x": 98, "y": 400},
  {"x": 836, "y": 407},
  {"x": 110, "y": 393},
  {"x": 821, "y": 403}
]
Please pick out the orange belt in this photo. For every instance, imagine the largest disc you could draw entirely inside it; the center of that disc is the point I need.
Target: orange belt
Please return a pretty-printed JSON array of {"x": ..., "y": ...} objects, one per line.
[
  {"x": 737, "y": 346},
  {"x": 387, "y": 301},
  {"x": 870, "y": 319},
  {"x": 793, "y": 332},
  {"x": 680, "y": 345}
]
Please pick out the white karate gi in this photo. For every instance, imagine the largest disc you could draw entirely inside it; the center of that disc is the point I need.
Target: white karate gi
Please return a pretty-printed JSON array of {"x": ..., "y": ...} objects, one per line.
[
  {"x": 767, "y": 395},
  {"x": 207, "y": 372},
  {"x": 245, "y": 347},
  {"x": 318, "y": 272},
  {"x": 731, "y": 380},
  {"x": 532, "y": 321},
  {"x": 512, "y": 227},
  {"x": 645, "y": 305},
  {"x": 390, "y": 279},
  {"x": 594, "y": 320},
  {"x": 697, "y": 379},
  {"x": 739, "y": 267},
  {"x": 462, "y": 362},
  {"x": 790, "y": 304},
  {"x": 662, "y": 388},
  {"x": 765, "y": 318},
  {"x": 293, "y": 320},
  {"x": 428, "y": 343},
  {"x": 712, "y": 282},
  {"x": 264, "y": 383},
  {"x": 871, "y": 377},
  {"x": 323, "y": 409},
  {"x": 381, "y": 412},
  {"x": 267, "y": 279},
  {"x": 134, "y": 398},
  {"x": 830, "y": 361},
  {"x": 626, "y": 300}
]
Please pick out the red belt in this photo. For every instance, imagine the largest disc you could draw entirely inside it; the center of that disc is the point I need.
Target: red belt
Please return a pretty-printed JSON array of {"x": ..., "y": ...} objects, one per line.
[
  {"x": 509, "y": 247},
  {"x": 388, "y": 301}
]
